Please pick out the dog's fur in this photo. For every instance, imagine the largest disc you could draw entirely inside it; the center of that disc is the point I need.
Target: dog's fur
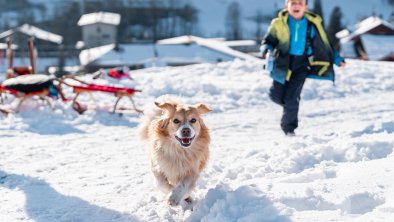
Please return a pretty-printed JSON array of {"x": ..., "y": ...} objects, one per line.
[{"x": 178, "y": 146}]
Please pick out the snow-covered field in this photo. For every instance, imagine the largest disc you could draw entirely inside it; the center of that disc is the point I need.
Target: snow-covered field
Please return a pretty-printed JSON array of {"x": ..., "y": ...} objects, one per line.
[{"x": 56, "y": 165}]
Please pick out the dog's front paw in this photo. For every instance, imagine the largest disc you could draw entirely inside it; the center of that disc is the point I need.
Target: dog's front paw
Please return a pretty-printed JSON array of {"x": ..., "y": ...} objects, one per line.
[
  {"x": 187, "y": 204},
  {"x": 174, "y": 199}
]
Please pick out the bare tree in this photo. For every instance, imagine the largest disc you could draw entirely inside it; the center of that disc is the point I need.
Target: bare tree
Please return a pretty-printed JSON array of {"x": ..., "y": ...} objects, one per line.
[{"x": 233, "y": 21}]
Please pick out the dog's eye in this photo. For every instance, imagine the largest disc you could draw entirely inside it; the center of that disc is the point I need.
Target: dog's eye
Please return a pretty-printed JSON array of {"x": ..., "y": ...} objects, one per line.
[
  {"x": 193, "y": 120},
  {"x": 176, "y": 121}
]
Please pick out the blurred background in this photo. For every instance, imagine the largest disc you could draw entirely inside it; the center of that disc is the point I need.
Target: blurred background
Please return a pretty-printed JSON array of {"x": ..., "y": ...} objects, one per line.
[{"x": 87, "y": 35}]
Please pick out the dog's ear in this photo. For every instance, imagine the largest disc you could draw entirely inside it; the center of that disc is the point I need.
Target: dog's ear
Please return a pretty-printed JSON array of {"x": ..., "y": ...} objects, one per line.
[
  {"x": 202, "y": 108},
  {"x": 168, "y": 109},
  {"x": 163, "y": 123}
]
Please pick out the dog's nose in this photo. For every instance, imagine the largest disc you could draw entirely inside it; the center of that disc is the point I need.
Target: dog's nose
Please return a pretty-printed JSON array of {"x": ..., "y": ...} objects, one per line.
[{"x": 185, "y": 132}]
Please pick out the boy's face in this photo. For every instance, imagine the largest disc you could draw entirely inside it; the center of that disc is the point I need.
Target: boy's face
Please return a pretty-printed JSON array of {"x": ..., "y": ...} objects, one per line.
[{"x": 296, "y": 8}]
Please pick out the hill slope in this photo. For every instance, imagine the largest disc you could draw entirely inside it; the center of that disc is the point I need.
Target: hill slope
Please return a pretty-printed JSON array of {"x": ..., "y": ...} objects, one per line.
[{"x": 58, "y": 166}]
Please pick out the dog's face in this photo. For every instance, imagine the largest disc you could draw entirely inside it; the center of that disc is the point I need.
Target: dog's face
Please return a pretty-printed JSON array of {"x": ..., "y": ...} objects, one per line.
[{"x": 182, "y": 123}]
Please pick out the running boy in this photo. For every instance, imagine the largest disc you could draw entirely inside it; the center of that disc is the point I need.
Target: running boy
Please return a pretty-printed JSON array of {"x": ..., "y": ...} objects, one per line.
[{"x": 301, "y": 49}]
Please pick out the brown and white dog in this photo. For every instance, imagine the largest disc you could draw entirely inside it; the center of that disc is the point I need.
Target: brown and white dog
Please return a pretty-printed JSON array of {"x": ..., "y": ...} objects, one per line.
[{"x": 178, "y": 146}]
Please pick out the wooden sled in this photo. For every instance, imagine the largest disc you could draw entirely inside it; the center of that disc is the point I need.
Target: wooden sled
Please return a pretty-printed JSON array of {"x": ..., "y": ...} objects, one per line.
[
  {"x": 22, "y": 96},
  {"x": 118, "y": 92}
]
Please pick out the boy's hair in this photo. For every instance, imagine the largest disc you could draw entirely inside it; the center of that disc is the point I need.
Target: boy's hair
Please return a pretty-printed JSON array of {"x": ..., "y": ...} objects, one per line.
[{"x": 306, "y": 1}]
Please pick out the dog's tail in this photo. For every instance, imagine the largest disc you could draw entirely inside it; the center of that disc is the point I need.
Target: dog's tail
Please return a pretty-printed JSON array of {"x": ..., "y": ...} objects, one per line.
[{"x": 150, "y": 114}]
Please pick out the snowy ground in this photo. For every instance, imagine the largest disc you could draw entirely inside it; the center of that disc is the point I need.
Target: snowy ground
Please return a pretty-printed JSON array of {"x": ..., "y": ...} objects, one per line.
[{"x": 56, "y": 165}]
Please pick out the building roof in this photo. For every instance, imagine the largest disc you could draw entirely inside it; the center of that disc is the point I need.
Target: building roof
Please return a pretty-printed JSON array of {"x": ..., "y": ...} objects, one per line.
[
  {"x": 238, "y": 43},
  {"x": 149, "y": 54},
  {"x": 99, "y": 17},
  {"x": 35, "y": 32},
  {"x": 88, "y": 55},
  {"x": 363, "y": 27},
  {"x": 370, "y": 23},
  {"x": 213, "y": 44}
]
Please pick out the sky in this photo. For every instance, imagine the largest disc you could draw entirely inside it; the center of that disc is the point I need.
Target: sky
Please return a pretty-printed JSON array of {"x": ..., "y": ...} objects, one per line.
[
  {"x": 213, "y": 12},
  {"x": 57, "y": 165}
]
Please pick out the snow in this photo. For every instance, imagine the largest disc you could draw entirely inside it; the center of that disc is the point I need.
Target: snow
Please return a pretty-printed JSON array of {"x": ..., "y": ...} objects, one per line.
[
  {"x": 370, "y": 23},
  {"x": 56, "y": 165},
  {"x": 186, "y": 39},
  {"x": 217, "y": 45},
  {"x": 240, "y": 43},
  {"x": 34, "y": 32},
  {"x": 88, "y": 55},
  {"x": 40, "y": 34},
  {"x": 99, "y": 17}
]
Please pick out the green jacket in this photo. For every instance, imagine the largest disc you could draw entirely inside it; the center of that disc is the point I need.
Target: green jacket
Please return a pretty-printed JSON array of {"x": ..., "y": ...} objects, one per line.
[{"x": 278, "y": 37}]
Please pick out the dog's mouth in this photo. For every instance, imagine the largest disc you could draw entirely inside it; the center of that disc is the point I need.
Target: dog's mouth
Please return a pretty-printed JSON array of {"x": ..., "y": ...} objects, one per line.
[{"x": 185, "y": 141}]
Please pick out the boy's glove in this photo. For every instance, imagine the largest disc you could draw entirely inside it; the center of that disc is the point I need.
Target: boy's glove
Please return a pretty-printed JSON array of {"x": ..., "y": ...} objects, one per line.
[{"x": 265, "y": 52}]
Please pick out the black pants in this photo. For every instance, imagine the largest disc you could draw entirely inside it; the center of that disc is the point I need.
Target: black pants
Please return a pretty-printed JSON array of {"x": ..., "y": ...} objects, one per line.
[{"x": 289, "y": 94}]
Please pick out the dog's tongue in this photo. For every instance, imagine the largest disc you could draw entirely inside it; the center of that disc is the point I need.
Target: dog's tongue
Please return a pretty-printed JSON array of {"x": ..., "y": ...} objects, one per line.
[{"x": 186, "y": 140}]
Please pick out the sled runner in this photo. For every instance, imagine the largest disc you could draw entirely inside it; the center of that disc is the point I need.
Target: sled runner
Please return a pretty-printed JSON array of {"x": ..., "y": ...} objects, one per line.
[{"x": 118, "y": 92}]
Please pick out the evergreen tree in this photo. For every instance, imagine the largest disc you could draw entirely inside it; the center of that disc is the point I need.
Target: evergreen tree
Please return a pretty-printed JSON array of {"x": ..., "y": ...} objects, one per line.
[
  {"x": 334, "y": 26},
  {"x": 317, "y": 8}
]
